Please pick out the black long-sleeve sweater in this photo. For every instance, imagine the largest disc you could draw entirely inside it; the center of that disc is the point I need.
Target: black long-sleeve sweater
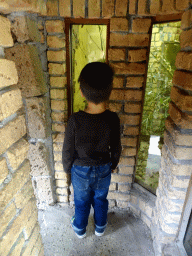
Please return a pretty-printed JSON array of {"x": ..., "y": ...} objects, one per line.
[{"x": 92, "y": 139}]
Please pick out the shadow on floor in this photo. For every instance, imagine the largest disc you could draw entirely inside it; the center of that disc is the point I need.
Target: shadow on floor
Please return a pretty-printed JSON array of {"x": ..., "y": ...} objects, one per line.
[{"x": 125, "y": 235}]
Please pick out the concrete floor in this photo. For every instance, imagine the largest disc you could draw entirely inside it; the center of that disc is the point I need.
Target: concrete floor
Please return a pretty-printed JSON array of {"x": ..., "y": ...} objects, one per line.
[{"x": 125, "y": 235}]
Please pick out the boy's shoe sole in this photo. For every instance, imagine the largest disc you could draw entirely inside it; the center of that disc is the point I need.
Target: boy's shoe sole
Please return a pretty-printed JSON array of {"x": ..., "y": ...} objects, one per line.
[
  {"x": 79, "y": 236},
  {"x": 98, "y": 234}
]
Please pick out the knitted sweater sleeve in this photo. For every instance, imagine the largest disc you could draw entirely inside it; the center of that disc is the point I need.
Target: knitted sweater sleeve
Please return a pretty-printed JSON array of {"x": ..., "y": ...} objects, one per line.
[
  {"x": 115, "y": 143},
  {"x": 68, "y": 152}
]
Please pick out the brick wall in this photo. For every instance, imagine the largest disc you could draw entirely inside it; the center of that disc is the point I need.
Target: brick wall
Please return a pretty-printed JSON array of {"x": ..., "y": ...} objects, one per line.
[
  {"x": 128, "y": 53},
  {"x": 19, "y": 227}
]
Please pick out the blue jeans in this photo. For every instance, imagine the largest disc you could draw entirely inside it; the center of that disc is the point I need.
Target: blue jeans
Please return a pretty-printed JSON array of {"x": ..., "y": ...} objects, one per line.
[{"x": 91, "y": 186}]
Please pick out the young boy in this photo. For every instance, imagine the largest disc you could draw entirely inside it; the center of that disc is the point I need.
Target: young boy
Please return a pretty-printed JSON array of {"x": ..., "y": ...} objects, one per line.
[{"x": 92, "y": 148}]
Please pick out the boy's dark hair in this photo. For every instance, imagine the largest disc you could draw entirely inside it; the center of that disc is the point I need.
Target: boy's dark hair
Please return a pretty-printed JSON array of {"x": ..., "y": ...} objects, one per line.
[{"x": 96, "y": 82}]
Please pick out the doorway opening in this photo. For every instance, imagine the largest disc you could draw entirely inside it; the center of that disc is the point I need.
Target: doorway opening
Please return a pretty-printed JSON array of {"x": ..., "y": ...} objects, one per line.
[
  {"x": 164, "y": 47},
  {"x": 86, "y": 41}
]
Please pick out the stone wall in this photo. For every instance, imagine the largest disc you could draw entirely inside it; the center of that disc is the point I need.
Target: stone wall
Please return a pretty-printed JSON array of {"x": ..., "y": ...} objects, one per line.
[
  {"x": 19, "y": 227},
  {"x": 130, "y": 30},
  {"x": 29, "y": 54}
]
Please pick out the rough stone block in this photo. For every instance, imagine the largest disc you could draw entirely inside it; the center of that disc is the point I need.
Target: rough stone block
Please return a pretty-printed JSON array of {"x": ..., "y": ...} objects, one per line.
[
  {"x": 123, "y": 188},
  {"x": 31, "y": 77},
  {"x": 181, "y": 5},
  {"x": 7, "y": 216},
  {"x": 182, "y": 120},
  {"x": 18, "y": 153},
  {"x": 37, "y": 246},
  {"x": 178, "y": 138},
  {"x": 61, "y": 183},
  {"x": 121, "y": 8},
  {"x": 182, "y": 100},
  {"x": 126, "y": 170},
  {"x": 129, "y": 119},
  {"x": 52, "y": 8},
  {"x": 135, "y": 82},
  {"x": 32, "y": 222},
  {"x": 57, "y": 69},
  {"x": 18, "y": 248},
  {"x": 62, "y": 191},
  {"x": 94, "y": 9},
  {"x": 112, "y": 186},
  {"x": 62, "y": 199},
  {"x": 168, "y": 6},
  {"x": 119, "y": 24},
  {"x": 116, "y": 54},
  {"x": 17, "y": 182},
  {"x": 6, "y": 39},
  {"x": 128, "y": 161},
  {"x": 183, "y": 79},
  {"x": 79, "y": 9},
  {"x": 55, "y": 42},
  {"x": 38, "y": 6},
  {"x": 121, "y": 178},
  {"x": 183, "y": 61},
  {"x": 108, "y": 8},
  {"x": 175, "y": 169},
  {"x": 137, "y": 55},
  {"x": 57, "y": 156},
  {"x": 128, "y": 152},
  {"x": 186, "y": 39},
  {"x": 58, "y": 127},
  {"x": 117, "y": 39},
  {"x": 57, "y": 147},
  {"x": 25, "y": 29},
  {"x": 56, "y": 56},
  {"x": 58, "y": 82},
  {"x": 54, "y": 26},
  {"x": 58, "y": 105},
  {"x": 132, "y": 7},
  {"x": 4, "y": 169},
  {"x": 186, "y": 19},
  {"x": 61, "y": 175},
  {"x": 36, "y": 108},
  {"x": 142, "y": 4},
  {"x": 132, "y": 108},
  {"x": 16, "y": 228},
  {"x": 141, "y": 25},
  {"x": 181, "y": 153},
  {"x": 24, "y": 195},
  {"x": 118, "y": 196},
  {"x": 8, "y": 73},
  {"x": 32, "y": 240},
  {"x": 58, "y": 94},
  {"x": 59, "y": 117},
  {"x": 10, "y": 102},
  {"x": 65, "y": 8},
  {"x": 154, "y": 6},
  {"x": 58, "y": 138},
  {"x": 39, "y": 159},
  {"x": 129, "y": 68},
  {"x": 131, "y": 131},
  {"x": 11, "y": 133},
  {"x": 133, "y": 95},
  {"x": 123, "y": 205},
  {"x": 43, "y": 191}
]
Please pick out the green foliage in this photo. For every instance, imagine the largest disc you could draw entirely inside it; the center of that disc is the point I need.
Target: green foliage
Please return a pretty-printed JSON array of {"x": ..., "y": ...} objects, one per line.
[{"x": 159, "y": 82}]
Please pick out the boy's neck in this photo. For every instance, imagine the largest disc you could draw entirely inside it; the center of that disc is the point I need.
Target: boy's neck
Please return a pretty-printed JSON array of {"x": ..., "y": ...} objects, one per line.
[{"x": 95, "y": 109}]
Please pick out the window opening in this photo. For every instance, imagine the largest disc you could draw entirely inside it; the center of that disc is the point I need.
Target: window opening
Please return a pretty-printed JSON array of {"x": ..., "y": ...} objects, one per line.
[
  {"x": 164, "y": 47},
  {"x": 88, "y": 44}
]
